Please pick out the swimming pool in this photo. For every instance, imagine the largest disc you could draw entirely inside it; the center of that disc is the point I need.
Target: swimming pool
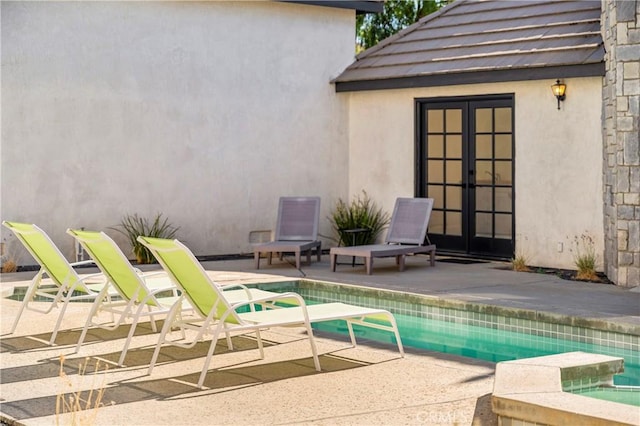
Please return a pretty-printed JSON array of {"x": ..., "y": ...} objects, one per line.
[{"x": 479, "y": 331}]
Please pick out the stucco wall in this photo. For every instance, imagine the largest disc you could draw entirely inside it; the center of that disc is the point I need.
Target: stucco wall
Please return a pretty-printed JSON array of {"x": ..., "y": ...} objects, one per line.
[
  {"x": 205, "y": 112},
  {"x": 558, "y": 159}
]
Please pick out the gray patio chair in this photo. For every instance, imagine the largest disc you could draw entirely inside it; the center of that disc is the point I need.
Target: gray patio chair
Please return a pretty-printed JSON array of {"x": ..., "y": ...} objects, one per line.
[
  {"x": 296, "y": 230},
  {"x": 407, "y": 235}
]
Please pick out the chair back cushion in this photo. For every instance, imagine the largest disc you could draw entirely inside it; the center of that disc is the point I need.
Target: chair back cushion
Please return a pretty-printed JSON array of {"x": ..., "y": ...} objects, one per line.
[
  {"x": 189, "y": 275},
  {"x": 113, "y": 263},
  {"x": 298, "y": 219},
  {"x": 409, "y": 221},
  {"x": 45, "y": 252}
]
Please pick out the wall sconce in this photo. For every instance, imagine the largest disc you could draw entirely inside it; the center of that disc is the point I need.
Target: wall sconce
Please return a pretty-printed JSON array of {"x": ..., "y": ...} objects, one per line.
[{"x": 558, "y": 90}]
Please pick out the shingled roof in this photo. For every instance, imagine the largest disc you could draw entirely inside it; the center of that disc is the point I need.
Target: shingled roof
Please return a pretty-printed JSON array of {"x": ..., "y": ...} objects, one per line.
[{"x": 475, "y": 41}]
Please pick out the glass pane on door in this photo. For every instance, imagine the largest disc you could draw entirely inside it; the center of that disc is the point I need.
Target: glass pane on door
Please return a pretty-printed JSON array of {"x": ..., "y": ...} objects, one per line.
[
  {"x": 493, "y": 207},
  {"x": 444, "y": 174}
]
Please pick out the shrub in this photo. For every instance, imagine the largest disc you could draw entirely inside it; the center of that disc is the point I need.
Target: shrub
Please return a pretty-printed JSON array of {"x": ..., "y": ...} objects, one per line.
[
  {"x": 585, "y": 258},
  {"x": 132, "y": 226},
  {"x": 9, "y": 265},
  {"x": 362, "y": 213},
  {"x": 519, "y": 263},
  {"x": 9, "y": 254}
]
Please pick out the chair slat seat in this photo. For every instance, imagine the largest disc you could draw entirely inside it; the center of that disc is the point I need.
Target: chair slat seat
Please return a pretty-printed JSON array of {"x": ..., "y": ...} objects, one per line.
[
  {"x": 296, "y": 230},
  {"x": 407, "y": 235}
]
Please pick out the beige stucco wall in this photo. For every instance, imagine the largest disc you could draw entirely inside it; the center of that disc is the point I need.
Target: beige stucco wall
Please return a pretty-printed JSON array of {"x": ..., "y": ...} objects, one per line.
[
  {"x": 206, "y": 112},
  {"x": 558, "y": 158}
]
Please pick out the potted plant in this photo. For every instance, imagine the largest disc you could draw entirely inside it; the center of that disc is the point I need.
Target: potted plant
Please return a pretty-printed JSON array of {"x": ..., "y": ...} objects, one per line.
[{"x": 360, "y": 222}]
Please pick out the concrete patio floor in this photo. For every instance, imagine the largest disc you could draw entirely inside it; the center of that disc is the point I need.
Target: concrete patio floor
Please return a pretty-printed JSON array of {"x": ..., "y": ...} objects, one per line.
[{"x": 363, "y": 385}]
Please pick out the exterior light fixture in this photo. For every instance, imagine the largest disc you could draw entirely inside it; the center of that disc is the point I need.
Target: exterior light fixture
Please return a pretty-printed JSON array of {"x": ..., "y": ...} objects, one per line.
[{"x": 558, "y": 90}]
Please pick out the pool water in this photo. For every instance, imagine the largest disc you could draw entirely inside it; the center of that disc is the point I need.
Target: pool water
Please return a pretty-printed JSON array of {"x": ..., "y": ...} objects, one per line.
[
  {"x": 622, "y": 395},
  {"x": 485, "y": 343}
]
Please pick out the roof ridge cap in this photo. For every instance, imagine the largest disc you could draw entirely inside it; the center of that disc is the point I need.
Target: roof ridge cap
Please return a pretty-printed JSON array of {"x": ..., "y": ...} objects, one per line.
[
  {"x": 512, "y": 52},
  {"x": 409, "y": 29},
  {"x": 510, "y": 29},
  {"x": 503, "y": 42}
]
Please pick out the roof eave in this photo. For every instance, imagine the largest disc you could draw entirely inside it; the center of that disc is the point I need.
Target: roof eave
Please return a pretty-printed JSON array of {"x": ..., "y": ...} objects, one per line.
[
  {"x": 363, "y": 6},
  {"x": 596, "y": 69}
]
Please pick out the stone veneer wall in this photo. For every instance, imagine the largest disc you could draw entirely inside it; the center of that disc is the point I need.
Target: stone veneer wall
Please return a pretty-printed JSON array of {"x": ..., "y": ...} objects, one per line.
[{"x": 620, "y": 28}]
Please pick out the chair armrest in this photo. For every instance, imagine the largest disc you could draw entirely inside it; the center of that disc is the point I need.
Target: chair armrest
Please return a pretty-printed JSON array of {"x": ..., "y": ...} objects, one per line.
[
  {"x": 83, "y": 262},
  {"x": 274, "y": 298}
]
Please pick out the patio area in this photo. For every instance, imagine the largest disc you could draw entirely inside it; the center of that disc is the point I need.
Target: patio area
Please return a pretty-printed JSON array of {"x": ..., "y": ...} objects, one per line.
[{"x": 369, "y": 384}]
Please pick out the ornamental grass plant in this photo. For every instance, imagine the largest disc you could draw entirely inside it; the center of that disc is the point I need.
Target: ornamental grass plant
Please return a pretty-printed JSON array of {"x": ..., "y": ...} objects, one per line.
[
  {"x": 519, "y": 263},
  {"x": 75, "y": 406},
  {"x": 585, "y": 258},
  {"x": 132, "y": 226},
  {"x": 361, "y": 213}
]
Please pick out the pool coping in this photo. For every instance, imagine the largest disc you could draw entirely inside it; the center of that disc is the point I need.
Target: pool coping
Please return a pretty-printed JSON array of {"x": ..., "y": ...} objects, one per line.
[
  {"x": 519, "y": 313},
  {"x": 531, "y": 391},
  {"x": 251, "y": 279}
]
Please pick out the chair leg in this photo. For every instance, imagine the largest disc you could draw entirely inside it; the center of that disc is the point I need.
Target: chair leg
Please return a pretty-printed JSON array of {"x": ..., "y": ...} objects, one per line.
[
  {"x": 314, "y": 349},
  {"x": 94, "y": 310},
  {"x": 59, "y": 321},
  {"x": 260, "y": 345},
  {"x": 319, "y": 252},
  {"x": 256, "y": 259},
  {"x": 332, "y": 261},
  {"x": 229, "y": 341},
  {"x": 401, "y": 259},
  {"x": 33, "y": 287},
  {"x": 23, "y": 305},
  {"x": 297, "y": 259},
  {"x": 132, "y": 330},
  {"x": 369, "y": 264},
  {"x": 168, "y": 322},
  {"x": 351, "y": 334},
  {"x": 152, "y": 320},
  {"x": 392, "y": 320},
  {"x": 212, "y": 348}
]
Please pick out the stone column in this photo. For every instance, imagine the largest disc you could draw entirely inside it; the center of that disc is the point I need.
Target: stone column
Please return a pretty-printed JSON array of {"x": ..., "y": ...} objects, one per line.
[{"x": 620, "y": 28}]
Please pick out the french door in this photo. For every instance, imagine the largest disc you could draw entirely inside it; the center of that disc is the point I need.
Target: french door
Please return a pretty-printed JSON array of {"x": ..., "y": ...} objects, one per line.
[{"x": 464, "y": 153}]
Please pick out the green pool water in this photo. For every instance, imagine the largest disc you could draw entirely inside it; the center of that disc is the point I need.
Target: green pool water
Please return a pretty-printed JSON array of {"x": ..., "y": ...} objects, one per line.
[
  {"x": 624, "y": 396},
  {"x": 486, "y": 343},
  {"x": 498, "y": 345}
]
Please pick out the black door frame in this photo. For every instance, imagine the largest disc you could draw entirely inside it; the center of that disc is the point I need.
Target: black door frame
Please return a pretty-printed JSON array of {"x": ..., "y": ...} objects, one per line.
[{"x": 463, "y": 246}]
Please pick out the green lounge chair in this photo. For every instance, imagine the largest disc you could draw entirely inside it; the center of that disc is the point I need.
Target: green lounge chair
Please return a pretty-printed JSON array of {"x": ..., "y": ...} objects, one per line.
[
  {"x": 217, "y": 314},
  {"x": 137, "y": 298},
  {"x": 66, "y": 285}
]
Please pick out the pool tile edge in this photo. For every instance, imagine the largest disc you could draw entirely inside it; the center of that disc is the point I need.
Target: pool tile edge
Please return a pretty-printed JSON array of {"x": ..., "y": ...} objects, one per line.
[{"x": 530, "y": 391}]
